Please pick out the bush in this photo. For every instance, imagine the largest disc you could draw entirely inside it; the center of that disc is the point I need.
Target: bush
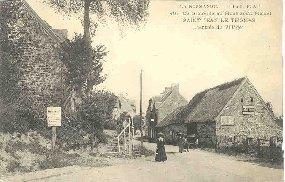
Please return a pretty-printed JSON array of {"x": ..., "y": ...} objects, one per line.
[
  {"x": 250, "y": 146},
  {"x": 140, "y": 150},
  {"x": 13, "y": 166}
]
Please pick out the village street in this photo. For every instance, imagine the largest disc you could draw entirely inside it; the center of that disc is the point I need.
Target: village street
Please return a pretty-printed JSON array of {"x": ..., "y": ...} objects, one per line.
[{"x": 195, "y": 165}]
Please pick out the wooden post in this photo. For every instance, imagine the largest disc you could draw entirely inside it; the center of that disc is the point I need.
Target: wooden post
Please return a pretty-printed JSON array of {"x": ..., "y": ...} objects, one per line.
[
  {"x": 130, "y": 152},
  {"x": 125, "y": 140},
  {"x": 141, "y": 124},
  {"x": 53, "y": 136},
  {"x": 119, "y": 148},
  {"x": 133, "y": 128}
]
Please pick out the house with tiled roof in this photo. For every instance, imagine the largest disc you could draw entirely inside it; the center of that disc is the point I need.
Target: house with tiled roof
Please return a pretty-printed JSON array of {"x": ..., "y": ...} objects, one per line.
[
  {"x": 162, "y": 105},
  {"x": 233, "y": 110}
]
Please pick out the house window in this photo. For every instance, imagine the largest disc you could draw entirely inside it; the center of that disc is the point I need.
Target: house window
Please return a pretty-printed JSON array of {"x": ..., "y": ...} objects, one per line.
[
  {"x": 251, "y": 99},
  {"x": 227, "y": 121}
]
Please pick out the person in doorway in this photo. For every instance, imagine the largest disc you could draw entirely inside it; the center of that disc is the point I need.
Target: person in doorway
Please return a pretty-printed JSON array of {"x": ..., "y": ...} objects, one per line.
[
  {"x": 180, "y": 142},
  {"x": 160, "y": 149}
]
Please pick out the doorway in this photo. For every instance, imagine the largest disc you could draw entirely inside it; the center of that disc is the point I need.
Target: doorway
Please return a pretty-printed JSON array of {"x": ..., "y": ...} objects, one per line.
[{"x": 192, "y": 129}]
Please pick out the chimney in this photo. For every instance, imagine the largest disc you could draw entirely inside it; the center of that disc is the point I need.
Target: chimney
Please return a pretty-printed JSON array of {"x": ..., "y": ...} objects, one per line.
[
  {"x": 167, "y": 89},
  {"x": 175, "y": 87}
]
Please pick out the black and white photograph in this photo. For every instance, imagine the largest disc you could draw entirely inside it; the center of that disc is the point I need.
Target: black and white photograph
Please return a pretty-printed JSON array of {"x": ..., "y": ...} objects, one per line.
[{"x": 141, "y": 90}]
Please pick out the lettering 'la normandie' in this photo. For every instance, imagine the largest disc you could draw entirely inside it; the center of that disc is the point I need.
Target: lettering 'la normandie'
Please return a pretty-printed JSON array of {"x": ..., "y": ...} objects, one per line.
[{"x": 197, "y": 6}]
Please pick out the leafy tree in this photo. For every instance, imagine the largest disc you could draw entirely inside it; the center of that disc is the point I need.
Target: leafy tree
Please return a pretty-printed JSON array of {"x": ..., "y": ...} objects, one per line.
[
  {"x": 137, "y": 122},
  {"x": 151, "y": 113},
  {"x": 84, "y": 65},
  {"x": 96, "y": 112},
  {"x": 131, "y": 11}
]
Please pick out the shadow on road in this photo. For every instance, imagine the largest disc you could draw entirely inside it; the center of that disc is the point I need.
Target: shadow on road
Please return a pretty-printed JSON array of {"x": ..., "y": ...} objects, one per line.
[{"x": 268, "y": 164}]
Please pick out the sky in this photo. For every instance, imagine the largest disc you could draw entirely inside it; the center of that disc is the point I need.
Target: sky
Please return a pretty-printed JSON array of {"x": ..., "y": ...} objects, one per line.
[{"x": 169, "y": 51}]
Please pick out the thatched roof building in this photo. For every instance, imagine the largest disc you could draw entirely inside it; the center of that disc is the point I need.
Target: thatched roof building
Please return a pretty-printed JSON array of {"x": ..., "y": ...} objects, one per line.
[
  {"x": 160, "y": 106},
  {"x": 231, "y": 109},
  {"x": 205, "y": 105}
]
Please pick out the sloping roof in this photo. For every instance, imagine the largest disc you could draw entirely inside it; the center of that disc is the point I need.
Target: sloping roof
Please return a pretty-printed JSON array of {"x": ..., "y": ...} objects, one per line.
[
  {"x": 44, "y": 24},
  {"x": 212, "y": 101},
  {"x": 161, "y": 98},
  {"x": 171, "y": 103},
  {"x": 175, "y": 117},
  {"x": 204, "y": 106},
  {"x": 168, "y": 101}
]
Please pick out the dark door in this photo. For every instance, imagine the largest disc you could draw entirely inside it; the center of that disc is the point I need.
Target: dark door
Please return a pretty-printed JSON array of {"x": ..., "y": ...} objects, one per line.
[{"x": 191, "y": 128}]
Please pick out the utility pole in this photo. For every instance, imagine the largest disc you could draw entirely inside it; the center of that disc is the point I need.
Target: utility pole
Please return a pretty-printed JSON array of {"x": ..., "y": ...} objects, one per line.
[{"x": 141, "y": 119}]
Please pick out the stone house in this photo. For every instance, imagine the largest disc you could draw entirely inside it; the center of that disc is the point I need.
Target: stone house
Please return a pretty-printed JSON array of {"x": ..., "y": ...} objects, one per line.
[
  {"x": 160, "y": 106},
  {"x": 231, "y": 110},
  {"x": 124, "y": 104},
  {"x": 41, "y": 73}
]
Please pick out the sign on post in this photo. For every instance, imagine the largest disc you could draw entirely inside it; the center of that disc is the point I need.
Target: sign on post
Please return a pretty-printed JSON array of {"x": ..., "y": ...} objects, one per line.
[
  {"x": 53, "y": 120},
  {"x": 54, "y": 116}
]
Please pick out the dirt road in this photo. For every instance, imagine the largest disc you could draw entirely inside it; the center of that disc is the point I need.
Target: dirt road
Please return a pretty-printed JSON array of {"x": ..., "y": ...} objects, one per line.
[{"x": 195, "y": 165}]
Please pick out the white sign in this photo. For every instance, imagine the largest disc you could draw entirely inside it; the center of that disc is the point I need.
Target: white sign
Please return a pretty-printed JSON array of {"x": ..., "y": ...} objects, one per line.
[
  {"x": 248, "y": 110},
  {"x": 54, "y": 116}
]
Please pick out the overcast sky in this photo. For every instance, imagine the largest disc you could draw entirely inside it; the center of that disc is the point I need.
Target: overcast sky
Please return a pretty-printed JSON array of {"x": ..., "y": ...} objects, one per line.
[{"x": 169, "y": 51}]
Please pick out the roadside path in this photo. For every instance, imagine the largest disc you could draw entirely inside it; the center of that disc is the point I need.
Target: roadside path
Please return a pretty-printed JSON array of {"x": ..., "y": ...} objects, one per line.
[{"x": 195, "y": 165}]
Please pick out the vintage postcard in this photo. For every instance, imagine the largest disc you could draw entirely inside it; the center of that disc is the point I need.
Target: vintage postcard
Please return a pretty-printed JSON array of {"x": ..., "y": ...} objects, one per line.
[{"x": 141, "y": 90}]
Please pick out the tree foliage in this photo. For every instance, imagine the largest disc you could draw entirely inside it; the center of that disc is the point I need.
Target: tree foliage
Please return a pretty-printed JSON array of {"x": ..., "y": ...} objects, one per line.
[
  {"x": 151, "y": 115},
  {"x": 9, "y": 51},
  {"x": 131, "y": 11},
  {"x": 124, "y": 11},
  {"x": 84, "y": 70},
  {"x": 96, "y": 112},
  {"x": 15, "y": 114},
  {"x": 124, "y": 116}
]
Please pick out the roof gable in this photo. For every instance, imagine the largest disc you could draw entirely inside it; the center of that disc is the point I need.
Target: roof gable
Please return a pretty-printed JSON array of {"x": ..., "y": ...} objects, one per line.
[
  {"x": 169, "y": 104},
  {"x": 207, "y": 105},
  {"x": 49, "y": 31}
]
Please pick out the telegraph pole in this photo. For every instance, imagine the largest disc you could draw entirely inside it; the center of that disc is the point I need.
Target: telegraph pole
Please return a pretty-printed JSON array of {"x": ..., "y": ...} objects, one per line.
[{"x": 141, "y": 119}]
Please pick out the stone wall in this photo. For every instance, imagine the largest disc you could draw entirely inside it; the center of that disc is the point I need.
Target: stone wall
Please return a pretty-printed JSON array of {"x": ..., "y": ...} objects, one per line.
[{"x": 260, "y": 124}]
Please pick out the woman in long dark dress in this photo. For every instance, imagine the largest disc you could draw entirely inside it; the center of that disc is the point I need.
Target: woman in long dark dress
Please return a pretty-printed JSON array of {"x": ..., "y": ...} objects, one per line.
[
  {"x": 160, "y": 150},
  {"x": 180, "y": 143}
]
